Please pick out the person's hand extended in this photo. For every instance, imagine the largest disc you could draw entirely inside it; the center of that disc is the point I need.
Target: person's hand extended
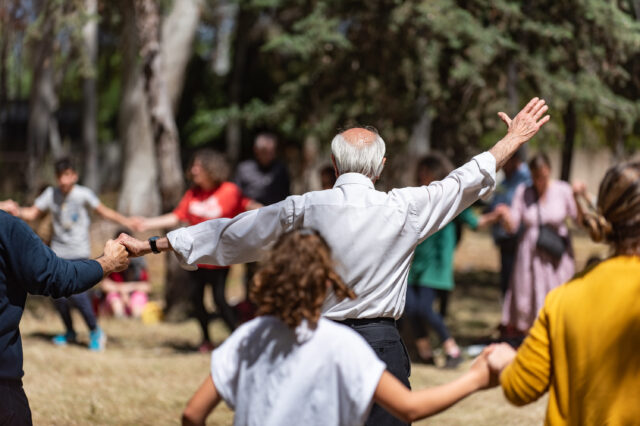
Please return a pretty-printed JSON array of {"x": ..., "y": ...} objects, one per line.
[
  {"x": 114, "y": 258},
  {"x": 528, "y": 121},
  {"x": 134, "y": 246},
  {"x": 482, "y": 372},
  {"x": 520, "y": 129},
  {"x": 500, "y": 357}
]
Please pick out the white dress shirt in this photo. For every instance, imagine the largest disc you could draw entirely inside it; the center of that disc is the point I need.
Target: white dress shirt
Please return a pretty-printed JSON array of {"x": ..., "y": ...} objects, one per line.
[{"x": 372, "y": 234}]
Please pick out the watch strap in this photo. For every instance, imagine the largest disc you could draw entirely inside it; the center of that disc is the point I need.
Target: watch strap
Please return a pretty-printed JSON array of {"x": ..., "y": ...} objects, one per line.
[{"x": 152, "y": 244}]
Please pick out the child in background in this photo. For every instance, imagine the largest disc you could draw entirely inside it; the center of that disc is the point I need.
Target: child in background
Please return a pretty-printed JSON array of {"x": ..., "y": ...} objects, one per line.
[
  {"x": 70, "y": 204},
  {"x": 289, "y": 366},
  {"x": 126, "y": 292},
  {"x": 432, "y": 269}
]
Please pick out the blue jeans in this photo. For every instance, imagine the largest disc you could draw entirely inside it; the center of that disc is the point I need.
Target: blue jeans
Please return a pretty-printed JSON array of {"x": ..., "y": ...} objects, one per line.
[
  {"x": 82, "y": 302},
  {"x": 419, "y": 308},
  {"x": 384, "y": 338}
]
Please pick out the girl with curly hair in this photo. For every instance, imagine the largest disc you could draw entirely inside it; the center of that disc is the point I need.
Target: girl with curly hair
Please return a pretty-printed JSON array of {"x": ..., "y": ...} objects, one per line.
[{"x": 290, "y": 366}]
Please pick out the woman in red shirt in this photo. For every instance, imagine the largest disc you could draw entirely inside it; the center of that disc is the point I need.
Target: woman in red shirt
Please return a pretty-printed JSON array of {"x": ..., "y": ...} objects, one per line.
[{"x": 211, "y": 196}]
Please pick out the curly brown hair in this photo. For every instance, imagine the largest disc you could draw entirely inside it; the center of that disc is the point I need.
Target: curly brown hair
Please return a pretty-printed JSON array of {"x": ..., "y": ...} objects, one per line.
[
  {"x": 214, "y": 164},
  {"x": 616, "y": 219},
  {"x": 294, "y": 281}
]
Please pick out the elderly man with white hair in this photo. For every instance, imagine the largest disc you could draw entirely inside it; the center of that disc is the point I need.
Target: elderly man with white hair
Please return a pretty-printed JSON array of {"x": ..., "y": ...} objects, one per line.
[{"x": 372, "y": 234}]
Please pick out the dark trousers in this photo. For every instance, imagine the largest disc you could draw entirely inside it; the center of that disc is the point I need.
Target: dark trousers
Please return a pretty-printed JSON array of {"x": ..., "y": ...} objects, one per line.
[
  {"x": 82, "y": 302},
  {"x": 419, "y": 308},
  {"x": 443, "y": 297},
  {"x": 383, "y": 336},
  {"x": 217, "y": 279},
  {"x": 508, "y": 250},
  {"x": 14, "y": 406}
]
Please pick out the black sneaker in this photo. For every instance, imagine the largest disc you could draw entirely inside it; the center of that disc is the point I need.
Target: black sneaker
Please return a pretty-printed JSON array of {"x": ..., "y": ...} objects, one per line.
[{"x": 452, "y": 362}]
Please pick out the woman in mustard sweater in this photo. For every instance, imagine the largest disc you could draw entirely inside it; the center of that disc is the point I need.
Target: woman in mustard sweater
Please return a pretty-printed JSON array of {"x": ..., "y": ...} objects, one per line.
[{"x": 584, "y": 347}]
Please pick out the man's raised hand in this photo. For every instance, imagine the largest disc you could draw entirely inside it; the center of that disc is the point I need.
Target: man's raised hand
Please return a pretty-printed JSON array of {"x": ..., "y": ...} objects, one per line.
[
  {"x": 522, "y": 128},
  {"x": 528, "y": 121}
]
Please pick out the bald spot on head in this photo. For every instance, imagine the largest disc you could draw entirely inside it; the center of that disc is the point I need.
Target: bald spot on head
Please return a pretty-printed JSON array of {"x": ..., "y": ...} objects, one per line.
[{"x": 359, "y": 136}]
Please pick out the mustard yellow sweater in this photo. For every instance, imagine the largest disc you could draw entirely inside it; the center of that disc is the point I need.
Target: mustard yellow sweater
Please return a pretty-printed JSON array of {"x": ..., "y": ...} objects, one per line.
[{"x": 584, "y": 348}]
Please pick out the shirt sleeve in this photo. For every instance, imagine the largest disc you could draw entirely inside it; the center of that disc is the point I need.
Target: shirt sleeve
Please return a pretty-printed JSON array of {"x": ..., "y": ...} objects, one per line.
[
  {"x": 230, "y": 199},
  {"x": 182, "y": 209},
  {"x": 225, "y": 364},
  {"x": 469, "y": 217},
  {"x": 242, "y": 239},
  {"x": 34, "y": 266},
  {"x": 361, "y": 369},
  {"x": 528, "y": 377},
  {"x": 435, "y": 205},
  {"x": 44, "y": 200},
  {"x": 91, "y": 198}
]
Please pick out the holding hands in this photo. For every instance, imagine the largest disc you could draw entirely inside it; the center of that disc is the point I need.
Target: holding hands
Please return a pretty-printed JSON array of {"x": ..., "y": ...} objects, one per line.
[
  {"x": 114, "y": 258},
  {"x": 134, "y": 246},
  {"x": 10, "y": 207},
  {"x": 488, "y": 366}
]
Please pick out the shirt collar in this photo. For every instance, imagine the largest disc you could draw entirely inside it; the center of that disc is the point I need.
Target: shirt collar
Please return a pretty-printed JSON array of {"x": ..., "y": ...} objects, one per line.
[{"x": 353, "y": 179}]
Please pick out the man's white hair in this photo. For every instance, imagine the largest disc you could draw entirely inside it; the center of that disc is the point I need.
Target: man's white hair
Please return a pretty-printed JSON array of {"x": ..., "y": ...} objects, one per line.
[{"x": 361, "y": 157}]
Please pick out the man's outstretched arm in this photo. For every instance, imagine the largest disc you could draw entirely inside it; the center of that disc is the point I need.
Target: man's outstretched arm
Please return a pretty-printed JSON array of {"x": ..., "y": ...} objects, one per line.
[
  {"x": 244, "y": 238},
  {"x": 40, "y": 271}
]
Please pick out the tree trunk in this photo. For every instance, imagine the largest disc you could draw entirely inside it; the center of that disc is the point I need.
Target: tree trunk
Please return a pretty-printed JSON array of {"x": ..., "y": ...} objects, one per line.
[
  {"x": 636, "y": 8},
  {"x": 420, "y": 140},
  {"x": 139, "y": 194},
  {"x": 569, "y": 118},
  {"x": 178, "y": 31},
  {"x": 227, "y": 13},
  {"x": 234, "y": 127},
  {"x": 615, "y": 135},
  {"x": 91, "y": 171},
  {"x": 165, "y": 133},
  {"x": 43, "y": 101}
]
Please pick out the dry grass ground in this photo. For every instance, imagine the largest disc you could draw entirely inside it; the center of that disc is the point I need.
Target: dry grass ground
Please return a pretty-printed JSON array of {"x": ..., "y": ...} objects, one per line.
[{"x": 148, "y": 372}]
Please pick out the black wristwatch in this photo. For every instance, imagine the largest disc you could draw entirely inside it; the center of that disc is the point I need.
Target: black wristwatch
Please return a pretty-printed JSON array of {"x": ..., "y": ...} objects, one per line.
[{"x": 152, "y": 244}]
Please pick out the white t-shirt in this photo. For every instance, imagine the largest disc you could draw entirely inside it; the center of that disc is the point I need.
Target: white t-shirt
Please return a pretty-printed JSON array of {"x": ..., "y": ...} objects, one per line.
[
  {"x": 273, "y": 376},
  {"x": 71, "y": 220}
]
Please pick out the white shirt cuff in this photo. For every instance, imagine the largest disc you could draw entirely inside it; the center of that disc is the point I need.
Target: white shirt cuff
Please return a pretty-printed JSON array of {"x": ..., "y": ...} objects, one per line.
[{"x": 182, "y": 243}]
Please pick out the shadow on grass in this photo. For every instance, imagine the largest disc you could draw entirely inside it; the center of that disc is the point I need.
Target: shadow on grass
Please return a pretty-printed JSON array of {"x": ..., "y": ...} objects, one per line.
[{"x": 180, "y": 347}]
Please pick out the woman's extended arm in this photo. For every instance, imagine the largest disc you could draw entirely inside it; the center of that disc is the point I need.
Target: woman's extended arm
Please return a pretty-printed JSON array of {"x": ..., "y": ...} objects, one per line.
[
  {"x": 169, "y": 220},
  {"x": 201, "y": 404}
]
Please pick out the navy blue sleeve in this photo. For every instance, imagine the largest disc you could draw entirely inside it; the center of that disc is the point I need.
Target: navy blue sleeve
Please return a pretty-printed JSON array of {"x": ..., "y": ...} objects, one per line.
[{"x": 35, "y": 267}]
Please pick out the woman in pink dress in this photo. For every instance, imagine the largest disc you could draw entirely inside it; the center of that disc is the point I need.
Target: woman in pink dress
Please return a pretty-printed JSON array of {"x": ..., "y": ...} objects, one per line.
[{"x": 536, "y": 272}]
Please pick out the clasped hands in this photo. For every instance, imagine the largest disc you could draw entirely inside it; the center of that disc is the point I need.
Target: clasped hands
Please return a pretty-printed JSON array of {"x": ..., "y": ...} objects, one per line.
[
  {"x": 117, "y": 253},
  {"x": 488, "y": 366}
]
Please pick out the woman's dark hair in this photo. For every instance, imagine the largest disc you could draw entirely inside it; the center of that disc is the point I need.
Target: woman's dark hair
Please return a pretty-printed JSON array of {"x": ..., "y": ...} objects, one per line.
[
  {"x": 437, "y": 163},
  {"x": 213, "y": 163},
  {"x": 616, "y": 219},
  {"x": 539, "y": 160},
  {"x": 294, "y": 281},
  {"x": 63, "y": 164}
]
